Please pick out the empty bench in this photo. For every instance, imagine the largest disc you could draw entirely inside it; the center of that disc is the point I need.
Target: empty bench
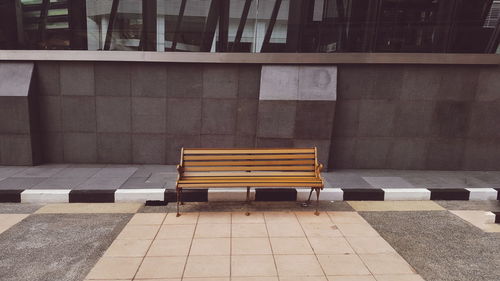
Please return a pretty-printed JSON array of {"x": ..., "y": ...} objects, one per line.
[{"x": 239, "y": 168}]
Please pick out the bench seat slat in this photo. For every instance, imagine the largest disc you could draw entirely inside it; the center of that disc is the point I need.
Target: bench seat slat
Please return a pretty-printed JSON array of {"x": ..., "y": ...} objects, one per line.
[
  {"x": 251, "y": 178},
  {"x": 247, "y": 157},
  {"x": 248, "y": 180},
  {"x": 240, "y": 174},
  {"x": 248, "y": 151},
  {"x": 250, "y": 168},
  {"x": 246, "y": 184},
  {"x": 247, "y": 163}
]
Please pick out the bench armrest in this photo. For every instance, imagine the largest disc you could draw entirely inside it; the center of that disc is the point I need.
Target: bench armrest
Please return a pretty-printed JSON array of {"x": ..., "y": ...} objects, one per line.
[{"x": 318, "y": 170}]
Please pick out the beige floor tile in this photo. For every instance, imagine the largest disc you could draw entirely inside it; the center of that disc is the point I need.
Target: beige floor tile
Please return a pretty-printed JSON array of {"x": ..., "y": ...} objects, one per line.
[
  {"x": 280, "y": 217},
  {"x": 128, "y": 248},
  {"x": 253, "y": 266},
  {"x": 383, "y": 206},
  {"x": 249, "y": 230},
  {"x": 399, "y": 277},
  {"x": 261, "y": 278},
  {"x": 212, "y": 230},
  {"x": 492, "y": 227},
  {"x": 211, "y": 247},
  {"x": 352, "y": 278},
  {"x": 310, "y": 217},
  {"x": 214, "y": 217},
  {"x": 142, "y": 232},
  {"x": 250, "y": 246},
  {"x": 343, "y": 265},
  {"x": 145, "y": 219},
  {"x": 185, "y": 218},
  {"x": 285, "y": 230},
  {"x": 11, "y": 219},
  {"x": 169, "y": 231},
  {"x": 254, "y": 217},
  {"x": 115, "y": 268},
  {"x": 161, "y": 267},
  {"x": 357, "y": 230},
  {"x": 4, "y": 228},
  {"x": 303, "y": 278},
  {"x": 330, "y": 245},
  {"x": 321, "y": 230},
  {"x": 207, "y": 279},
  {"x": 370, "y": 245},
  {"x": 207, "y": 266},
  {"x": 298, "y": 265},
  {"x": 477, "y": 218},
  {"x": 390, "y": 263},
  {"x": 291, "y": 246},
  {"x": 170, "y": 247},
  {"x": 346, "y": 217},
  {"x": 89, "y": 208},
  {"x": 155, "y": 279}
]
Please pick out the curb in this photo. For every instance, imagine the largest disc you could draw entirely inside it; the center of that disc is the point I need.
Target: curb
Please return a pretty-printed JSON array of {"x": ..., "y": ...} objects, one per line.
[{"x": 239, "y": 194}]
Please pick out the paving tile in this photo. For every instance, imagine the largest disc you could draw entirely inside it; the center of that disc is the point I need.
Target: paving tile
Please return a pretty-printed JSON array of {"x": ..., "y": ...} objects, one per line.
[
  {"x": 207, "y": 266},
  {"x": 321, "y": 230},
  {"x": 253, "y": 266},
  {"x": 330, "y": 245},
  {"x": 89, "y": 208},
  {"x": 261, "y": 278},
  {"x": 214, "y": 218},
  {"x": 145, "y": 219},
  {"x": 390, "y": 263},
  {"x": 399, "y": 277},
  {"x": 176, "y": 231},
  {"x": 310, "y": 217},
  {"x": 102, "y": 183},
  {"x": 303, "y": 278},
  {"x": 370, "y": 245},
  {"x": 346, "y": 217},
  {"x": 204, "y": 279},
  {"x": 211, "y": 247},
  {"x": 298, "y": 265},
  {"x": 249, "y": 230},
  {"x": 128, "y": 248},
  {"x": 383, "y": 206},
  {"x": 352, "y": 278},
  {"x": 357, "y": 230},
  {"x": 291, "y": 246},
  {"x": 478, "y": 219},
  {"x": 388, "y": 182},
  {"x": 60, "y": 183},
  {"x": 161, "y": 267},
  {"x": 186, "y": 218},
  {"x": 115, "y": 268},
  {"x": 11, "y": 219},
  {"x": 342, "y": 265},
  {"x": 212, "y": 230},
  {"x": 19, "y": 183},
  {"x": 9, "y": 171},
  {"x": 285, "y": 230},
  {"x": 250, "y": 246},
  {"x": 43, "y": 171},
  {"x": 280, "y": 217},
  {"x": 170, "y": 247},
  {"x": 139, "y": 232},
  {"x": 77, "y": 172},
  {"x": 140, "y": 183}
]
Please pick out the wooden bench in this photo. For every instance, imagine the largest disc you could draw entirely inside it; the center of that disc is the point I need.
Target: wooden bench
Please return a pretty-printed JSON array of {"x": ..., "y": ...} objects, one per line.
[{"x": 237, "y": 168}]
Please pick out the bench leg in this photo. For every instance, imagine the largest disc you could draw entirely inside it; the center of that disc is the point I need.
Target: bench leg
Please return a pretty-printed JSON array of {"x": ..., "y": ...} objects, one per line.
[
  {"x": 178, "y": 202},
  {"x": 310, "y": 194},
  {"x": 317, "y": 201},
  {"x": 248, "y": 201}
]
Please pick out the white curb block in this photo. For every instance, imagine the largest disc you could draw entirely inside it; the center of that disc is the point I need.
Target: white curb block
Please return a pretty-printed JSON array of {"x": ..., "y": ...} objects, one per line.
[
  {"x": 406, "y": 194},
  {"x": 45, "y": 196},
  {"x": 139, "y": 195},
  {"x": 482, "y": 194}
]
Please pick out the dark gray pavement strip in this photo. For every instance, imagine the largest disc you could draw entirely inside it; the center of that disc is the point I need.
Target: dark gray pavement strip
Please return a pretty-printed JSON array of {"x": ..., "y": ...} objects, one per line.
[
  {"x": 440, "y": 245},
  {"x": 485, "y": 205},
  {"x": 18, "y": 208},
  {"x": 62, "y": 247}
]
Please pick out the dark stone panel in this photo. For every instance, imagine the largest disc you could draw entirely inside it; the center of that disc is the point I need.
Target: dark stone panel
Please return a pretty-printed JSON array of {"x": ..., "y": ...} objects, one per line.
[
  {"x": 450, "y": 119},
  {"x": 50, "y": 113},
  {"x": 92, "y": 196},
  {"x": 372, "y": 153},
  {"x": 148, "y": 149},
  {"x": 47, "y": 77},
  {"x": 249, "y": 81},
  {"x": 80, "y": 148},
  {"x": 342, "y": 153},
  {"x": 183, "y": 116},
  {"x": 275, "y": 194},
  {"x": 78, "y": 114},
  {"x": 346, "y": 121},
  {"x": 247, "y": 117},
  {"x": 174, "y": 144},
  {"x": 149, "y": 80},
  {"x": 482, "y": 154},
  {"x": 445, "y": 154},
  {"x": 244, "y": 141},
  {"x": 113, "y": 79},
  {"x": 219, "y": 116},
  {"x": 407, "y": 154},
  {"x": 273, "y": 143},
  {"x": 77, "y": 79},
  {"x": 420, "y": 82},
  {"x": 314, "y": 119},
  {"x": 488, "y": 86},
  {"x": 113, "y": 114},
  {"x": 16, "y": 150},
  {"x": 10, "y": 196},
  {"x": 220, "y": 81},
  {"x": 217, "y": 141},
  {"x": 363, "y": 194},
  {"x": 276, "y": 119},
  {"x": 184, "y": 80},
  {"x": 14, "y": 115},
  {"x": 449, "y": 194},
  {"x": 148, "y": 115},
  {"x": 376, "y": 118},
  {"x": 194, "y": 195},
  {"x": 458, "y": 83},
  {"x": 414, "y": 119},
  {"x": 52, "y": 148},
  {"x": 114, "y": 148},
  {"x": 323, "y": 147},
  {"x": 485, "y": 119}
]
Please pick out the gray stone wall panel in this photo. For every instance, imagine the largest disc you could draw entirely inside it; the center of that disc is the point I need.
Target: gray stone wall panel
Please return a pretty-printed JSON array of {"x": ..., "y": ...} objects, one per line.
[
  {"x": 219, "y": 116},
  {"x": 183, "y": 116},
  {"x": 113, "y": 114},
  {"x": 114, "y": 148},
  {"x": 77, "y": 79},
  {"x": 113, "y": 78},
  {"x": 276, "y": 119}
]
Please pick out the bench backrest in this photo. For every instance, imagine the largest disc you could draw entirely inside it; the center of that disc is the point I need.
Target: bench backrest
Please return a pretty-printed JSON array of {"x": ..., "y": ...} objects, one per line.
[{"x": 280, "y": 162}]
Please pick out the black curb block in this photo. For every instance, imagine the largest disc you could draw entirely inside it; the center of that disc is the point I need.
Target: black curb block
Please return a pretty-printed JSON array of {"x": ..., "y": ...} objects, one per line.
[
  {"x": 498, "y": 193},
  {"x": 92, "y": 196},
  {"x": 273, "y": 194},
  {"x": 363, "y": 194},
  {"x": 497, "y": 217},
  {"x": 449, "y": 194},
  {"x": 10, "y": 196},
  {"x": 188, "y": 195}
]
